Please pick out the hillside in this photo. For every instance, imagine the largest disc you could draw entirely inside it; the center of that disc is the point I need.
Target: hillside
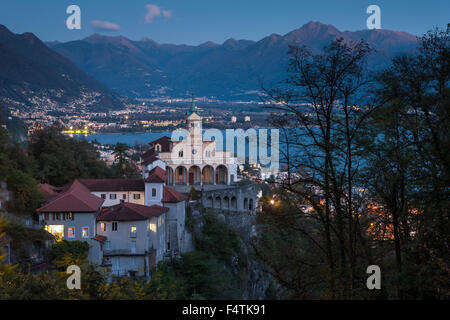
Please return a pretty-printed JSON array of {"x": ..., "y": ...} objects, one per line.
[{"x": 32, "y": 75}]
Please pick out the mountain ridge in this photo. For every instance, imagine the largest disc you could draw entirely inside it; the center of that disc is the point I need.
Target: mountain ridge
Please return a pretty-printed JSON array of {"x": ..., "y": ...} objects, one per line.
[
  {"x": 32, "y": 75},
  {"x": 146, "y": 68}
]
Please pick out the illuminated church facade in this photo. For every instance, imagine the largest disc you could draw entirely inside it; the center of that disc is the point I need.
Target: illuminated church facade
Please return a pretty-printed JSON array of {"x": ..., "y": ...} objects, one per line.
[{"x": 192, "y": 159}]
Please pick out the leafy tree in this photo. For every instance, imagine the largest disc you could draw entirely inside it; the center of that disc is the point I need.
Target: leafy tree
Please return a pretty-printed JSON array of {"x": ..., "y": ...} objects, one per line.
[
  {"x": 65, "y": 253},
  {"x": 123, "y": 167},
  {"x": 61, "y": 159},
  {"x": 193, "y": 194}
]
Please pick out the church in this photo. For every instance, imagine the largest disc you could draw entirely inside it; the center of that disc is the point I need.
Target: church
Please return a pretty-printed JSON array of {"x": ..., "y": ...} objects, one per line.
[{"x": 191, "y": 159}]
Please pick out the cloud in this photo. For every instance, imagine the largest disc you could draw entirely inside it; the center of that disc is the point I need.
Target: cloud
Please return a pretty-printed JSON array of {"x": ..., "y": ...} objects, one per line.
[
  {"x": 104, "y": 25},
  {"x": 154, "y": 11}
]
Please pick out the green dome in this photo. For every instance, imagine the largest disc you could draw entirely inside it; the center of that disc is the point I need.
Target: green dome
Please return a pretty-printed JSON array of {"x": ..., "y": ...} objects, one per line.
[{"x": 193, "y": 108}]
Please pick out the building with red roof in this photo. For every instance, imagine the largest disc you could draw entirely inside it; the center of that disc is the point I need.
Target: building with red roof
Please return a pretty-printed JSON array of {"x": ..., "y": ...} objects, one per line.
[{"x": 134, "y": 237}]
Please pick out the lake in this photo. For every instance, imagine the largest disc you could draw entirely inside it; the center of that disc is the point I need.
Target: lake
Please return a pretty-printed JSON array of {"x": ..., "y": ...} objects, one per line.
[{"x": 129, "y": 138}]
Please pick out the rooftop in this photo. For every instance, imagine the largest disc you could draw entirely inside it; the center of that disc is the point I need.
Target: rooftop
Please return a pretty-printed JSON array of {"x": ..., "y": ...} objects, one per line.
[
  {"x": 113, "y": 184},
  {"x": 77, "y": 198},
  {"x": 130, "y": 212}
]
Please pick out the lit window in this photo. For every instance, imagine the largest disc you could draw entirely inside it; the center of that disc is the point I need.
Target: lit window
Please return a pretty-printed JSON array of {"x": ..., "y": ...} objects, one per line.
[
  {"x": 71, "y": 232},
  {"x": 114, "y": 226},
  {"x": 85, "y": 232},
  {"x": 133, "y": 229},
  {"x": 103, "y": 226},
  {"x": 56, "y": 230}
]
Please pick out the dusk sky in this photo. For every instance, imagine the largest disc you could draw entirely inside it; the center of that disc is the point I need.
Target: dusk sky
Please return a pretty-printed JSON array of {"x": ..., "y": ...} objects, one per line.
[{"x": 198, "y": 21}]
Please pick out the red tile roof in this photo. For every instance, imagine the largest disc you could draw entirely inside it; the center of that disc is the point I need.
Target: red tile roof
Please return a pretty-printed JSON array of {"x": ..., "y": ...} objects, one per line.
[
  {"x": 156, "y": 175},
  {"x": 148, "y": 153},
  {"x": 49, "y": 191},
  {"x": 149, "y": 159},
  {"x": 113, "y": 184},
  {"x": 100, "y": 238},
  {"x": 164, "y": 142},
  {"x": 77, "y": 198},
  {"x": 172, "y": 196},
  {"x": 130, "y": 211}
]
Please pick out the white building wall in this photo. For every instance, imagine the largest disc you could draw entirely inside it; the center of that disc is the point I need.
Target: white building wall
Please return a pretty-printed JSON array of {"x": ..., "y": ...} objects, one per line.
[
  {"x": 150, "y": 234},
  {"x": 151, "y": 200},
  {"x": 80, "y": 221},
  {"x": 151, "y": 166},
  {"x": 129, "y": 197}
]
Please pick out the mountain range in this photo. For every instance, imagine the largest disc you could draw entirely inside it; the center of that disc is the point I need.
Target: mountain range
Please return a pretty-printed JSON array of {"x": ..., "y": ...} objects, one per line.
[
  {"x": 32, "y": 76},
  {"x": 94, "y": 72},
  {"x": 231, "y": 70}
]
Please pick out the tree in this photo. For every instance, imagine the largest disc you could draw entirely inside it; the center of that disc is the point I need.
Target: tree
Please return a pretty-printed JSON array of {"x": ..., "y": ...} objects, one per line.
[
  {"x": 61, "y": 159},
  {"x": 409, "y": 164},
  {"x": 193, "y": 194},
  {"x": 123, "y": 166},
  {"x": 319, "y": 97}
]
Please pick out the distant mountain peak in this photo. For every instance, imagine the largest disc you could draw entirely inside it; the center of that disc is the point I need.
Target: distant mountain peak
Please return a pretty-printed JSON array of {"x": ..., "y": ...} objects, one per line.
[
  {"x": 148, "y": 40},
  {"x": 209, "y": 44}
]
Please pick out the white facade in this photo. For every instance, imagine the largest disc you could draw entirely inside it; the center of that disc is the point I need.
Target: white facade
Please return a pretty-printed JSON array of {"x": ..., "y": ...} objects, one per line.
[
  {"x": 132, "y": 245},
  {"x": 115, "y": 197},
  {"x": 195, "y": 160}
]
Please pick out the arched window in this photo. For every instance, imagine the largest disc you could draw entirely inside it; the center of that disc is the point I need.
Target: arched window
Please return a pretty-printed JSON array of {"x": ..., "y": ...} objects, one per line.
[
  {"x": 180, "y": 153},
  {"x": 158, "y": 148}
]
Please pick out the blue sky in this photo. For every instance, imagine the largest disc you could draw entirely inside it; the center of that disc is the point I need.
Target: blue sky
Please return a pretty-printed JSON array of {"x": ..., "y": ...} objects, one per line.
[{"x": 197, "y": 21}]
